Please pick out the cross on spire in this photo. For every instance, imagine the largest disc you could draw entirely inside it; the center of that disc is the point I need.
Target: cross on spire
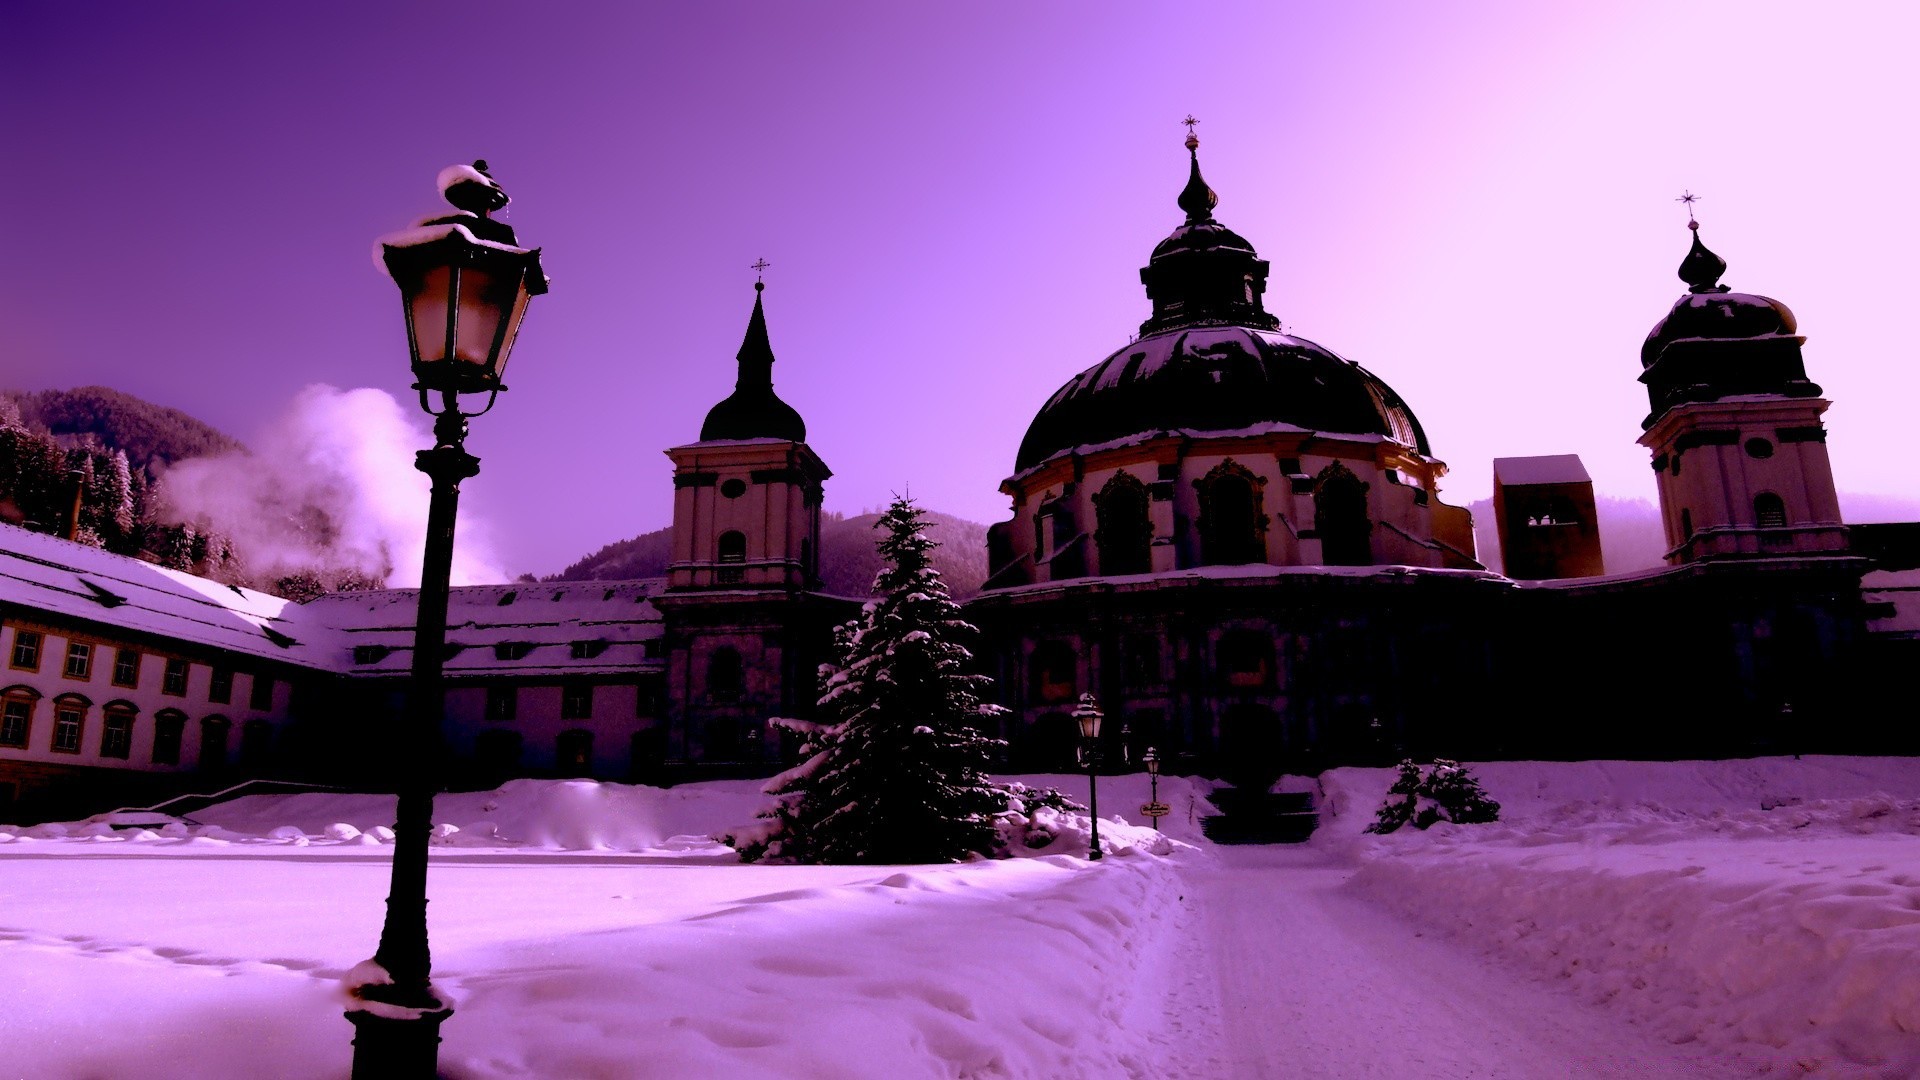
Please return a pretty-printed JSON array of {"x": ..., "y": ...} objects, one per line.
[
  {"x": 1688, "y": 198},
  {"x": 1189, "y": 121},
  {"x": 759, "y": 269}
]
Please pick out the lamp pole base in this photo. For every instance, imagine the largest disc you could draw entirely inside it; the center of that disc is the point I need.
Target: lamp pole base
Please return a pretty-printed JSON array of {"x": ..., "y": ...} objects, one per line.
[{"x": 385, "y": 1048}]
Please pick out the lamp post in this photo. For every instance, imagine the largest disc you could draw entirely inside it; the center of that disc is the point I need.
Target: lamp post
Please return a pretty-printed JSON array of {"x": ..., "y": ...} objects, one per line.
[
  {"x": 1152, "y": 761},
  {"x": 1089, "y": 716},
  {"x": 464, "y": 284}
]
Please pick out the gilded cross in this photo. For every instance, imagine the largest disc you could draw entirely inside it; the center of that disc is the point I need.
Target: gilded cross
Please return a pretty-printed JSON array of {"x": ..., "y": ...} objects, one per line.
[{"x": 1189, "y": 121}]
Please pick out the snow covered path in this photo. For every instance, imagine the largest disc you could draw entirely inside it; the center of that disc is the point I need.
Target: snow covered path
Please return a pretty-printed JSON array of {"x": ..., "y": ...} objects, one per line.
[{"x": 1314, "y": 981}]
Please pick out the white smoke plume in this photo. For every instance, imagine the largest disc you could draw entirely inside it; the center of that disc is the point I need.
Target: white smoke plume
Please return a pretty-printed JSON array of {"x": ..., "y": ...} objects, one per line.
[{"x": 331, "y": 486}]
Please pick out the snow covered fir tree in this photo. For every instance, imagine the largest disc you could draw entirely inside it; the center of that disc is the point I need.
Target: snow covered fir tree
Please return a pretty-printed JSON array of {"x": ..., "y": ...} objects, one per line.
[{"x": 896, "y": 767}]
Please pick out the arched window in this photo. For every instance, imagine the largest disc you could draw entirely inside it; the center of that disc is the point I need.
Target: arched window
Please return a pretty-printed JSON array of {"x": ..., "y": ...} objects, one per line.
[
  {"x": 1769, "y": 510},
  {"x": 1340, "y": 517},
  {"x": 1246, "y": 659},
  {"x": 213, "y": 743},
  {"x": 16, "y": 715},
  {"x": 733, "y": 551},
  {"x": 1122, "y": 531},
  {"x": 1051, "y": 672},
  {"x": 724, "y": 674},
  {"x": 1233, "y": 529},
  {"x": 573, "y": 753},
  {"x": 116, "y": 729},
  {"x": 69, "y": 722},
  {"x": 256, "y": 737},
  {"x": 168, "y": 726}
]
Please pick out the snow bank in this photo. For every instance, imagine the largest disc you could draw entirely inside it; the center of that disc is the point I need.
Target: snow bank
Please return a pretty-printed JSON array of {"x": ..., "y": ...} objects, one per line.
[{"x": 1767, "y": 908}]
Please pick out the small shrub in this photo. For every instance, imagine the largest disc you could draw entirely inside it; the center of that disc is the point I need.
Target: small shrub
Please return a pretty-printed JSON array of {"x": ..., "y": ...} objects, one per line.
[{"x": 1447, "y": 791}]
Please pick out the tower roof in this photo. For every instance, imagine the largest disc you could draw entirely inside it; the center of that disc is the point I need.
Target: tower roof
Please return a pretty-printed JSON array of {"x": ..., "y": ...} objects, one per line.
[{"x": 753, "y": 410}]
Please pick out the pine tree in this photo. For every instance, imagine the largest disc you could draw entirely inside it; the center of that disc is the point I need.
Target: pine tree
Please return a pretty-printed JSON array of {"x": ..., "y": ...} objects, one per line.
[
  {"x": 1448, "y": 791},
  {"x": 896, "y": 771}
]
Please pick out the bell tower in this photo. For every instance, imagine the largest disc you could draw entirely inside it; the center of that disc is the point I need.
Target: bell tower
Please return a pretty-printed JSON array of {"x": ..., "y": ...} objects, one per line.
[
  {"x": 746, "y": 499},
  {"x": 1738, "y": 445}
]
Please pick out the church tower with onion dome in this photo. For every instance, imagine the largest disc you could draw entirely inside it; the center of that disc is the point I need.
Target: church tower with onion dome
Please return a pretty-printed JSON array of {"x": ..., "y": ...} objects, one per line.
[
  {"x": 1738, "y": 446},
  {"x": 746, "y": 499}
]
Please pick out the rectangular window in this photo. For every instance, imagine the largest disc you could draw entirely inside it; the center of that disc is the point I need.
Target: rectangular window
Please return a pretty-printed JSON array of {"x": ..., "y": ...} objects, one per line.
[
  {"x": 26, "y": 650},
  {"x": 16, "y": 719},
  {"x": 576, "y": 701},
  {"x": 126, "y": 667},
  {"x": 79, "y": 660},
  {"x": 219, "y": 685},
  {"x": 116, "y": 736},
  {"x": 67, "y": 722},
  {"x": 173, "y": 680},
  {"x": 648, "y": 699},
  {"x": 262, "y": 696},
  {"x": 166, "y": 739},
  {"x": 502, "y": 704}
]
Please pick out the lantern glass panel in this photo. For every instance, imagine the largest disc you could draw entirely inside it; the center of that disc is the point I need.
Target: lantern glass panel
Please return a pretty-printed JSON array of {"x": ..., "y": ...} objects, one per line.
[
  {"x": 1090, "y": 724},
  {"x": 427, "y": 304},
  {"x": 482, "y": 305}
]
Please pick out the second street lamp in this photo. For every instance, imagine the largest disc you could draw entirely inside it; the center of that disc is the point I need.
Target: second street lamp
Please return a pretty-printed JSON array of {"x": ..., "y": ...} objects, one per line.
[
  {"x": 1088, "y": 715},
  {"x": 464, "y": 283}
]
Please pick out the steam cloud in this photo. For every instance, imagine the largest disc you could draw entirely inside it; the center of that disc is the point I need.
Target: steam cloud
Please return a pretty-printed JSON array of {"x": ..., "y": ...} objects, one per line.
[{"x": 330, "y": 486}]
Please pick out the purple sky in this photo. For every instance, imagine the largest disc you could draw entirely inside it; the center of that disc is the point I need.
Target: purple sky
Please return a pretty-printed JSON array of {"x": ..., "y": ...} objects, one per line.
[{"x": 1475, "y": 201}]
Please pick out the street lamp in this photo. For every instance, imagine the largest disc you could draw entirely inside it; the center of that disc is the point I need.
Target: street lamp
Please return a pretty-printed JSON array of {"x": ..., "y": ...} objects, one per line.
[
  {"x": 1151, "y": 760},
  {"x": 1088, "y": 715},
  {"x": 464, "y": 283}
]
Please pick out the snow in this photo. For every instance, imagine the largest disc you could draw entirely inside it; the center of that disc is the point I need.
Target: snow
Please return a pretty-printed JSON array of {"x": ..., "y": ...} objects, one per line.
[
  {"x": 1544, "y": 469},
  {"x": 1699, "y": 919}
]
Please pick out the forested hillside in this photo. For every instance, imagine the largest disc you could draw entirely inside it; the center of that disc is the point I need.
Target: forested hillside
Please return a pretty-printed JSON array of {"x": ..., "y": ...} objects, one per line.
[
  {"x": 152, "y": 436},
  {"x": 848, "y": 561}
]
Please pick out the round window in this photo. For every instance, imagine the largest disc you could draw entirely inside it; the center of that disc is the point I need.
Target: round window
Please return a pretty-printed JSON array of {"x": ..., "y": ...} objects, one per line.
[
  {"x": 734, "y": 488},
  {"x": 1759, "y": 448}
]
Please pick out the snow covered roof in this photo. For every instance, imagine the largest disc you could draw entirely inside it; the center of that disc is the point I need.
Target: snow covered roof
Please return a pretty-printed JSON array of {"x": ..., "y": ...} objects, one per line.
[
  {"x": 1544, "y": 469},
  {"x": 1241, "y": 572},
  {"x": 45, "y": 573},
  {"x": 552, "y": 629}
]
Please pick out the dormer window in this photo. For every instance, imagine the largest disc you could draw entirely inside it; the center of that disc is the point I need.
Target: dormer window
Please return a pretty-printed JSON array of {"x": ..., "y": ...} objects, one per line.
[
  {"x": 512, "y": 650},
  {"x": 587, "y": 650}
]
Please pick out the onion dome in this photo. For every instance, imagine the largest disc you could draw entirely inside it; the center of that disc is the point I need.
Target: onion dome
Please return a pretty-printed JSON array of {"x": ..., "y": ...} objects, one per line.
[
  {"x": 1716, "y": 342},
  {"x": 753, "y": 410},
  {"x": 1218, "y": 379},
  {"x": 1204, "y": 273}
]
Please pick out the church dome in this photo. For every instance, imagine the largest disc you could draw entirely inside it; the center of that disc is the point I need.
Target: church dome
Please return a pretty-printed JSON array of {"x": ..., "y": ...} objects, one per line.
[
  {"x": 1218, "y": 378},
  {"x": 1711, "y": 312},
  {"x": 1210, "y": 358}
]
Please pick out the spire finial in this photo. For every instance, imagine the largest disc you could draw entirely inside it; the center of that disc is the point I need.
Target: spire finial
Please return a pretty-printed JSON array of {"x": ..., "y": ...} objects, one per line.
[
  {"x": 1197, "y": 199},
  {"x": 1701, "y": 269},
  {"x": 759, "y": 269}
]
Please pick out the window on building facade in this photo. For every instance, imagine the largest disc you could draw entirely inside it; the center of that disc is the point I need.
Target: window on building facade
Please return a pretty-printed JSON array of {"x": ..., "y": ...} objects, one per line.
[
  {"x": 219, "y": 685},
  {"x": 502, "y": 704},
  {"x": 1123, "y": 533},
  {"x": 79, "y": 660},
  {"x": 256, "y": 739},
  {"x": 1769, "y": 510},
  {"x": 126, "y": 668},
  {"x": 213, "y": 743},
  {"x": 173, "y": 679},
  {"x": 370, "y": 654},
  {"x": 16, "y": 715},
  {"x": 116, "y": 730},
  {"x": 1233, "y": 530},
  {"x": 26, "y": 650},
  {"x": 586, "y": 650},
  {"x": 732, "y": 550},
  {"x": 576, "y": 701},
  {"x": 1052, "y": 672},
  {"x": 1246, "y": 659},
  {"x": 573, "y": 752},
  {"x": 512, "y": 650},
  {"x": 651, "y": 649},
  {"x": 649, "y": 698},
  {"x": 69, "y": 722},
  {"x": 724, "y": 675},
  {"x": 169, "y": 725},
  {"x": 261, "y": 697},
  {"x": 1340, "y": 517},
  {"x": 1140, "y": 661}
]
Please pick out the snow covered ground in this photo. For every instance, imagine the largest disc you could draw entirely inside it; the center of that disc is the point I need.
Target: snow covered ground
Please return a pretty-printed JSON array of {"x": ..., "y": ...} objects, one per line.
[{"x": 1646, "y": 920}]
